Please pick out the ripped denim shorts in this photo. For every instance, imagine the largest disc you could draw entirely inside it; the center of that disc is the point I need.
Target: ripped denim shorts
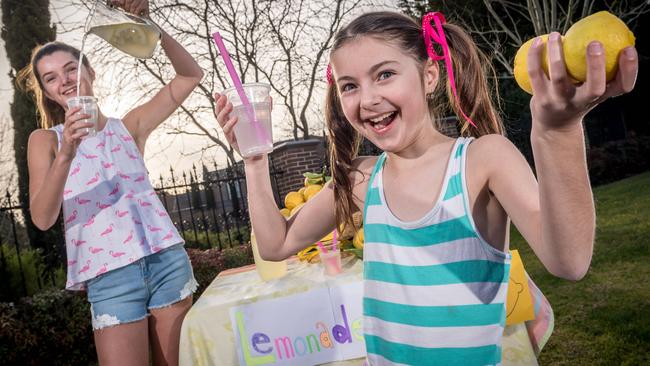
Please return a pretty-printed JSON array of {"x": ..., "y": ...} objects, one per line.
[{"x": 127, "y": 294}]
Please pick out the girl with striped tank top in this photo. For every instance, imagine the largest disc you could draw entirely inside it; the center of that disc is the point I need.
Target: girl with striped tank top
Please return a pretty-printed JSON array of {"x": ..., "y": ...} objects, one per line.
[
  {"x": 437, "y": 210},
  {"x": 122, "y": 248}
]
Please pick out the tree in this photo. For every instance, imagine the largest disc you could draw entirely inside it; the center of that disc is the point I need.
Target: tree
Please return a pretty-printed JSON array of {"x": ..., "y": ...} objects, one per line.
[
  {"x": 26, "y": 24},
  {"x": 280, "y": 42}
]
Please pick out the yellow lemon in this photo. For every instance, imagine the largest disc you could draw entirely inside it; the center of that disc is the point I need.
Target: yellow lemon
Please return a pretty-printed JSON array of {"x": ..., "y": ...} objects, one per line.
[
  {"x": 603, "y": 27},
  {"x": 296, "y": 208},
  {"x": 358, "y": 239},
  {"x": 521, "y": 64},
  {"x": 293, "y": 199},
  {"x": 285, "y": 212},
  {"x": 311, "y": 190}
]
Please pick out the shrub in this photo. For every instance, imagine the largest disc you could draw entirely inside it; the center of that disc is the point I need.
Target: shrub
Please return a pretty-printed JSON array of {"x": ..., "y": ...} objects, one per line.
[
  {"x": 208, "y": 263},
  {"x": 50, "y": 328},
  {"x": 31, "y": 267},
  {"x": 616, "y": 160}
]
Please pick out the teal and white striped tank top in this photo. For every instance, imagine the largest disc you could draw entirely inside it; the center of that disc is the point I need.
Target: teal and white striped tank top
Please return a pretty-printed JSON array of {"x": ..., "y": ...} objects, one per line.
[{"x": 434, "y": 290}]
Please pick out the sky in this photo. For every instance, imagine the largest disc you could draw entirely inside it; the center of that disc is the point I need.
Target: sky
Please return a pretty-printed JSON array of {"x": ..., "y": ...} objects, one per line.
[{"x": 162, "y": 150}]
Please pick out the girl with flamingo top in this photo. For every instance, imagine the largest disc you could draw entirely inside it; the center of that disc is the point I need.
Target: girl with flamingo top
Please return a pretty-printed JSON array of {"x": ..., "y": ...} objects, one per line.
[{"x": 122, "y": 247}]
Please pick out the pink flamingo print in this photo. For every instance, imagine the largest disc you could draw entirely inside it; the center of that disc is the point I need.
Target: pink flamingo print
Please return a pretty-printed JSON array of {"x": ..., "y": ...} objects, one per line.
[
  {"x": 131, "y": 259},
  {"x": 78, "y": 242},
  {"x": 117, "y": 148},
  {"x": 136, "y": 221},
  {"x": 130, "y": 195},
  {"x": 76, "y": 169},
  {"x": 89, "y": 156},
  {"x": 131, "y": 156},
  {"x": 90, "y": 221},
  {"x": 67, "y": 192},
  {"x": 156, "y": 249},
  {"x": 101, "y": 145},
  {"x": 139, "y": 179},
  {"x": 128, "y": 238},
  {"x": 94, "y": 180},
  {"x": 107, "y": 165},
  {"x": 72, "y": 217},
  {"x": 85, "y": 268},
  {"x": 121, "y": 213},
  {"x": 115, "y": 190},
  {"x": 153, "y": 229},
  {"x": 72, "y": 263},
  {"x": 95, "y": 250},
  {"x": 116, "y": 254},
  {"x": 81, "y": 201},
  {"x": 110, "y": 133},
  {"x": 123, "y": 176},
  {"x": 126, "y": 138},
  {"x": 103, "y": 205},
  {"x": 108, "y": 230},
  {"x": 153, "y": 193},
  {"x": 169, "y": 235},
  {"x": 102, "y": 269},
  {"x": 143, "y": 203},
  {"x": 161, "y": 213}
]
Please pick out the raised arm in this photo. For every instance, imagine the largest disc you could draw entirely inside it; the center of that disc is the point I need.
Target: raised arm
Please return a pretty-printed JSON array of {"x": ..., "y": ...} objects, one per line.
[
  {"x": 49, "y": 168},
  {"x": 142, "y": 120},
  {"x": 559, "y": 222}
]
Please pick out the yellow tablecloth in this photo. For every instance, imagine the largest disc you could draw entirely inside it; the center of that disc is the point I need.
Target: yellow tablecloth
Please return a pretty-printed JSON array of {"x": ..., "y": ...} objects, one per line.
[{"x": 207, "y": 337}]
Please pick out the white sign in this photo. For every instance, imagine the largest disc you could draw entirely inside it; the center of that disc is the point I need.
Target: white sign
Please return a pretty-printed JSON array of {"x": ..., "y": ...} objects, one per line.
[{"x": 310, "y": 328}]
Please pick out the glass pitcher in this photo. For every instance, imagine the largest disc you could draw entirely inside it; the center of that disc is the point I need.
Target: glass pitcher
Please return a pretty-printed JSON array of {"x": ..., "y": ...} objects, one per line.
[{"x": 128, "y": 33}]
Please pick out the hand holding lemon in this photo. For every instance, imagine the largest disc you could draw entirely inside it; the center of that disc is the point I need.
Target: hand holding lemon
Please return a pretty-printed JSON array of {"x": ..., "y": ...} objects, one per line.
[{"x": 603, "y": 27}]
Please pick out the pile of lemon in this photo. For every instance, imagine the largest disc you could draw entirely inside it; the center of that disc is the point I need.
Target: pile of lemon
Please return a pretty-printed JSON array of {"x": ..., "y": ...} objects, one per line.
[
  {"x": 603, "y": 26},
  {"x": 347, "y": 238}
]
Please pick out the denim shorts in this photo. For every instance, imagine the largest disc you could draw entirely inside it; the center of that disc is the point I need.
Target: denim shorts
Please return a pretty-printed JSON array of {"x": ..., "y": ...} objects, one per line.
[{"x": 127, "y": 294}]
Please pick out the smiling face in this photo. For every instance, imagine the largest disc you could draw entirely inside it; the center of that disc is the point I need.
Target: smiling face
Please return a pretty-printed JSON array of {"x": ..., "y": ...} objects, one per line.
[
  {"x": 383, "y": 92},
  {"x": 58, "y": 76}
]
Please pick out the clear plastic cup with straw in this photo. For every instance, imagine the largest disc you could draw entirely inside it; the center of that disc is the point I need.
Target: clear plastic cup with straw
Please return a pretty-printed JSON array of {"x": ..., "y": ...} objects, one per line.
[
  {"x": 88, "y": 106},
  {"x": 253, "y": 132},
  {"x": 252, "y": 106},
  {"x": 330, "y": 258}
]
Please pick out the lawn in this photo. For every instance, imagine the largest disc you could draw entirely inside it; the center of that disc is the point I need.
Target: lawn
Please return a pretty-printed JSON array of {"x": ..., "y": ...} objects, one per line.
[{"x": 604, "y": 319}]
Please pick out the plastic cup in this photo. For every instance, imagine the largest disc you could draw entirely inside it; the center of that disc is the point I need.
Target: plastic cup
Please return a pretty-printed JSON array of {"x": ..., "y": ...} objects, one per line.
[
  {"x": 88, "y": 106},
  {"x": 331, "y": 260},
  {"x": 254, "y": 137},
  {"x": 267, "y": 270}
]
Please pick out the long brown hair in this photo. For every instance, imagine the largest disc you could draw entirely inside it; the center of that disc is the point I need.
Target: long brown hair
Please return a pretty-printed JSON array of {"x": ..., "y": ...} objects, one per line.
[
  {"x": 470, "y": 67},
  {"x": 29, "y": 80}
]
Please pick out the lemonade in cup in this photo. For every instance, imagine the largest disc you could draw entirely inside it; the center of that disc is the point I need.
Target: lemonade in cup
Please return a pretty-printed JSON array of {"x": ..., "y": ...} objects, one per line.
[{"x": 254, "y": 135}]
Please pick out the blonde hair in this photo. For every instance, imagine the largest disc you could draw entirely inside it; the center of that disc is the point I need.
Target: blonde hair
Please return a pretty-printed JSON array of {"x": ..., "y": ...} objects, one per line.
[
  {"x": 29, "y": 80},
  {"x": 474, "y": 96}
]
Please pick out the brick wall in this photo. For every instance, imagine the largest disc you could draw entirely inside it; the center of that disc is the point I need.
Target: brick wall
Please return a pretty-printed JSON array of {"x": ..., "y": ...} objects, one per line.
[{"x": 294, "y": 158}]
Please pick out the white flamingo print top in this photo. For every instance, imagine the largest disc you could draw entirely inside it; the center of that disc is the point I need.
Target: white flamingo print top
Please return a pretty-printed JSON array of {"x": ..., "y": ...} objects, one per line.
[{"x": 111, "y": 212}]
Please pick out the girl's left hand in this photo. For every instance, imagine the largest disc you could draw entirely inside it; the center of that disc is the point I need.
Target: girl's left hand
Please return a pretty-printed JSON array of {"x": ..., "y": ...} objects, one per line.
[
  {"x": 136, "y": 7},
  {"x": 557, "y": 103}
]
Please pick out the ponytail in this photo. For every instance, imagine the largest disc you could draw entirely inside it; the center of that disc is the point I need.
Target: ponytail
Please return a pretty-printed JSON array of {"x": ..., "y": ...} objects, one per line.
[
  {"x": 344, "y": 144},
  {"x": 474, "y": 95}
]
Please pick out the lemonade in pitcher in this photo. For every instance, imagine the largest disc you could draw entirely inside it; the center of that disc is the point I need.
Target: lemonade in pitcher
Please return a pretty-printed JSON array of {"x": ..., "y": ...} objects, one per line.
[
  {"x": 138, "y": 40},
  {"x": 268, "y": 270}
]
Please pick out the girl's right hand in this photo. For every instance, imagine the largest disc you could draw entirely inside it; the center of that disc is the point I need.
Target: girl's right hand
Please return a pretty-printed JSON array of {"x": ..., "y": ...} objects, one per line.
[
  {"x": 222, "y": 110},
  {"x": 73, "y": 132}
]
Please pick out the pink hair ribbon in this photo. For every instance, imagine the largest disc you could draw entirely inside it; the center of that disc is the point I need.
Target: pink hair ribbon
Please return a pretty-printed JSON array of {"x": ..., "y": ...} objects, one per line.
[
  {"x": 328, "y": 74},
  {"x": 436, "y": 34}
]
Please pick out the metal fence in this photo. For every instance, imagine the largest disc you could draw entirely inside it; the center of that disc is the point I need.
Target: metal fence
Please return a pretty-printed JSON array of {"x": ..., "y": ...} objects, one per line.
[{"x": 209, "y": 210}]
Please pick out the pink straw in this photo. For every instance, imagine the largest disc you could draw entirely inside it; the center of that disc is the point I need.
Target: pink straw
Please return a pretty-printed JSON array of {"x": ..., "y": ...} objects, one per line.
[
  {"x": 322, "y": 247},
  {"x": 238, "y": 86},
  {"x": 334, "y": 239}
]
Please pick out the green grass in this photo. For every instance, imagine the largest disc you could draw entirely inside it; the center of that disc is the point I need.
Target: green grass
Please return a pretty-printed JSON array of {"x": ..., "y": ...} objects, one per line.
[{"x": 604, "y": 319}]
